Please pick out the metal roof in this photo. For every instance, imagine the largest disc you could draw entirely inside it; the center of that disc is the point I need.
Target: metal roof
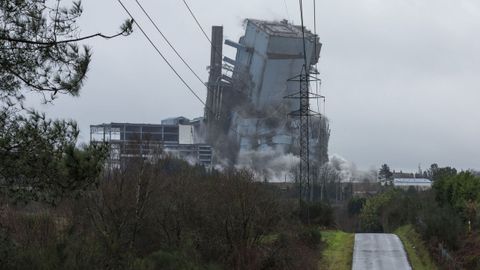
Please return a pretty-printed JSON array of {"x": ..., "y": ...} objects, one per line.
[
  {"x": 282, "y": 28},
  {"x": 411, "y": 181},
  {"x": 130, "y": 124}
]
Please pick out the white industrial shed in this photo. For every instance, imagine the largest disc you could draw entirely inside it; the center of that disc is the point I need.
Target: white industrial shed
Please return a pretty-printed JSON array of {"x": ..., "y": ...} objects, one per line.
[{"x": 417, "y": 183}]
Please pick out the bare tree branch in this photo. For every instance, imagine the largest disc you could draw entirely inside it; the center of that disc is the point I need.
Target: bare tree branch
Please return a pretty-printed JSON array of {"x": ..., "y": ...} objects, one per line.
[{"x": 53, "y": 43}]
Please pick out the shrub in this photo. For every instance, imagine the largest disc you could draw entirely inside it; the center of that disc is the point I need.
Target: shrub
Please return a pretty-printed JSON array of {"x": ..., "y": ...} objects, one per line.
[
  {"x": 288, "y": 252},
  {"x": 441, "y": 224},
  {"x": 316, "y": 213},
  {"x": 355, "y": 205},
  {"x": 311, "y": 237},
  {"x": 166, "y": 261},
  {"x": 370, "y": 215}
]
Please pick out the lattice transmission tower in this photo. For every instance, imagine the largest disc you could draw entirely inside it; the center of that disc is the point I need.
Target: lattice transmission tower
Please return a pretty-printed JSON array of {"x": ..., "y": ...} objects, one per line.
[{"x": 304, "y": 113}]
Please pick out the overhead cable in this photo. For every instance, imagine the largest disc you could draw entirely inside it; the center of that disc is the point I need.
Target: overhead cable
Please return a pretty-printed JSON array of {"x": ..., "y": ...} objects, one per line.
[
  {"x": 317, "y": 90},
  {"x": 201, "y": 28},
  {"x": 286, "y": 10},
  {"x": 196, "y": 20},
  {"x": 169, "y": 43},
  {"x": 160, "y": 53}
]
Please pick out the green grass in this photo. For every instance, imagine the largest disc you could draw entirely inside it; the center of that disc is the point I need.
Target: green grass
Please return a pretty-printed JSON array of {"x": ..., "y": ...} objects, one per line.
[
  {"x": 417, "y": 252},
  {"x": 337, "y": 252}
]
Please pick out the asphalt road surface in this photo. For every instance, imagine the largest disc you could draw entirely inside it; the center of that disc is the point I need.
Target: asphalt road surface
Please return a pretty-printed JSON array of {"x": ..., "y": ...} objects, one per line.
[{"x": 379, "y": 251}]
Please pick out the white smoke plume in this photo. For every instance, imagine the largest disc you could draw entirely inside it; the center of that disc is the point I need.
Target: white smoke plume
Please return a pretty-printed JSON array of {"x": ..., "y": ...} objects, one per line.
[
  {"x": 348, "y": 171},
  {"x": 269, "y": 163}
]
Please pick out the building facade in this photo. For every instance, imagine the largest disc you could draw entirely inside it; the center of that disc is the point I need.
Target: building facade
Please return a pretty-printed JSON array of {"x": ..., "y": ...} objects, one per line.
[
  {"x": 416, "y": 183},
  {"x": 178, "y": 137},
  {"x": 246, "y": 105}
]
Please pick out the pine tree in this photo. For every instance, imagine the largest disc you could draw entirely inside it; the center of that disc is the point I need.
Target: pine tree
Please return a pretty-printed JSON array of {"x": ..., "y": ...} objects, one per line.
[
  {"x": 39, "y": 52},
  {"x": 384, "y": 173}
]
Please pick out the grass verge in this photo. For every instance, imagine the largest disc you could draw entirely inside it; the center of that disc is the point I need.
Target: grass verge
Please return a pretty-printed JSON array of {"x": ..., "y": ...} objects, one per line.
[
  {"x": 337, "y": 252},
  {"x": 416, "y": 251}
]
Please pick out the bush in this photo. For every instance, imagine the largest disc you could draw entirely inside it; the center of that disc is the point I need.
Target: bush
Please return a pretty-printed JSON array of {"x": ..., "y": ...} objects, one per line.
[
  {"x": 289, "y": 252},
  {"x": 462, "y": 192},
  {"x": 166, "y": 214},
  {"x": 7, "y": 250},
  {"x": 166, "y": 261},
  {"x": 441, "y": 224},
  {"x": 311, "y": 237},
  {"x": 371, "y": 213},
  {"x": 316, "y": 213},
  {"x": 355, "y": 205},
  {"x": 392, "y": 209}
]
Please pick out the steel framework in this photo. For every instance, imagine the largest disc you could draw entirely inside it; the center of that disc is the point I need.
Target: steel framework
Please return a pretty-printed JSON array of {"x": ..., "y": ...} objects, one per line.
[{"x": 304, "y": 113}]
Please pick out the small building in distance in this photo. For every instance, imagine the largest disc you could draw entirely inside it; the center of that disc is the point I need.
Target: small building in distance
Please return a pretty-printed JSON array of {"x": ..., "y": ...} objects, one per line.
[
  {"x": 365, "y": 189},
  {"x": 417, "y": 183},
  {"x": 178, "y": 136}
]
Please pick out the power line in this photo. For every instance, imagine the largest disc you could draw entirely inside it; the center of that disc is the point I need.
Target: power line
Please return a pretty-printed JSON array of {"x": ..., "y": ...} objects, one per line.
[
  {"x": 160, "y": 53},
  {"x": 165, "y": 59},
  {"x": 317, "y": 82},
  {"x": 209, "y": 41},
  {"x": 304, "y": 122},
  {"x": 201, "y": 28},
  {"x": 304, "y": 113},
  {"x": 198, "y": 23},
  {"x": 303, "y": 36},
  {"x": 169, "y": 44},
  {"x": 286, "y": 9},
  {"x": 315, "y": 44}
]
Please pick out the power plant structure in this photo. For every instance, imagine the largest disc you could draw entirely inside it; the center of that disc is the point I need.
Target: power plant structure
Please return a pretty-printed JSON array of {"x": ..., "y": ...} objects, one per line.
[
  {"x": 246, "y": 110},
  {"x": 177, "y": 136},
  {"x": 249, "y": 121}
]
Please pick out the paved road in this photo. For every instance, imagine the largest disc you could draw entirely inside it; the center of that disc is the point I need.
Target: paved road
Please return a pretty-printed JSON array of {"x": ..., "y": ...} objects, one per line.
[{"x": 379, "y": 251}]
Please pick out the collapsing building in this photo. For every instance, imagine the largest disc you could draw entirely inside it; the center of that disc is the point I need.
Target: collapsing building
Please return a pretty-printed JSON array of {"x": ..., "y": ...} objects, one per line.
[
  {"x": 246, "y": 111},
  {"x": 175, "y": 136},
  {"x": 246, "y": 122}
]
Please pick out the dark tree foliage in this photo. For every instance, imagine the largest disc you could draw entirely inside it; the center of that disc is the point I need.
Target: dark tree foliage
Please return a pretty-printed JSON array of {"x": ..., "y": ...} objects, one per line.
[
  {"x": 38, "y": 48},
  {"x": 385, "y": 173},
  {"x": 355, "y": 205},
  {"x": 436, "y": 173},
  {"x": 462, "y": 193},
  {"x": 38, "y": 158},
  {"x": 440, "y": 225},
  {"x": 316, "y": 213},
  {"x": 39, "y": 53}
]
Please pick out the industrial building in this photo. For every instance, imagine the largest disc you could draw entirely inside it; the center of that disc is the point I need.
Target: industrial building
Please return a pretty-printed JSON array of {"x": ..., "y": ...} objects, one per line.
[
  {"x": 246, "y": 109},
  {"x": 416, "y": 183},
  {"x": 176, "y": 136},
  {"x": 246, "y": 121}
]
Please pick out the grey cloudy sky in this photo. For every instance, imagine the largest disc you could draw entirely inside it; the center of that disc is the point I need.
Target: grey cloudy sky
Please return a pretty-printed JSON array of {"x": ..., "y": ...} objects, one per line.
[{"x": 401, "y": 77}]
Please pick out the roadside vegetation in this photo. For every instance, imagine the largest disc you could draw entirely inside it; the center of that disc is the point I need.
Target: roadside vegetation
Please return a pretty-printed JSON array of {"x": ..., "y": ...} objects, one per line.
[
  {"x": 418, "y": 254},
  {"x": 337, "y": 252},
  {"x": 445, "y": 220}
]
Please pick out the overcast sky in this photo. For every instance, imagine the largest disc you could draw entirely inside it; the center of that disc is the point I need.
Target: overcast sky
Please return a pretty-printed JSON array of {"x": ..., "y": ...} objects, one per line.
[{"x": 401, "y": 77}]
